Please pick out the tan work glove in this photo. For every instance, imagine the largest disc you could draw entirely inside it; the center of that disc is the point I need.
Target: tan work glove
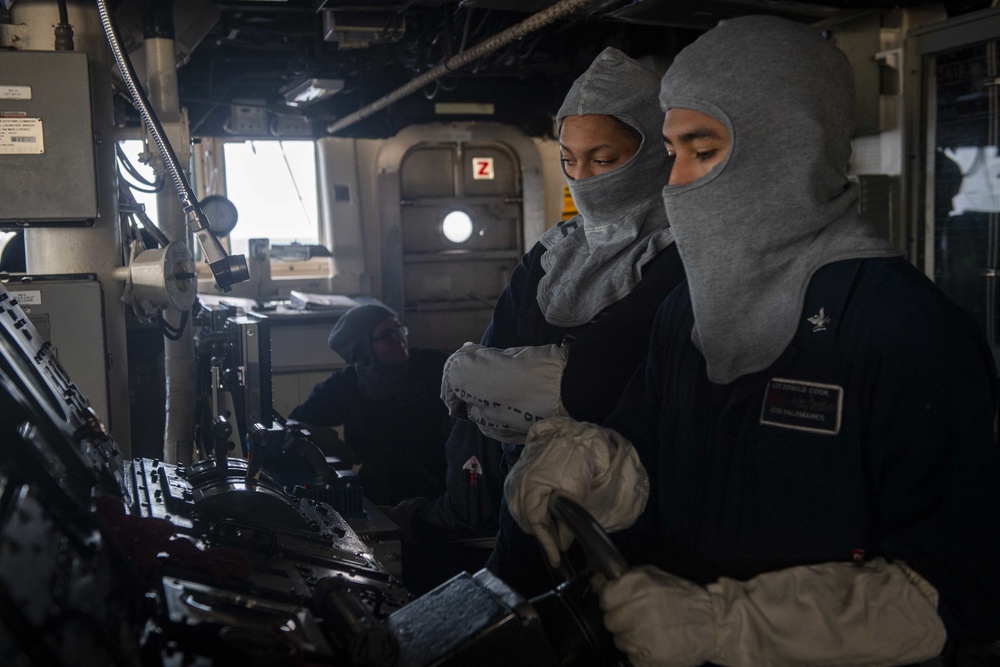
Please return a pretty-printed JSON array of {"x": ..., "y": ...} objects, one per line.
[
  {"x": 504, "y": 392},
  {"x": 594, "y": 466},
  {"x": 658, "y": 619},
  {"x": 831, "y": 614}
]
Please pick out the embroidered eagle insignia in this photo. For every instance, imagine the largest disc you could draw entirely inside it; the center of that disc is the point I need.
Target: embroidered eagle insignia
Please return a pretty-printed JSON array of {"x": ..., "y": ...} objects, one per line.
[{"x": 819, "y": 321}]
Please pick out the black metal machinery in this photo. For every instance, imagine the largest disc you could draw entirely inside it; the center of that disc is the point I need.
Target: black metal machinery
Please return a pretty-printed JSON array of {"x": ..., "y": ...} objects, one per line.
[{"x": 105, "y": 561}]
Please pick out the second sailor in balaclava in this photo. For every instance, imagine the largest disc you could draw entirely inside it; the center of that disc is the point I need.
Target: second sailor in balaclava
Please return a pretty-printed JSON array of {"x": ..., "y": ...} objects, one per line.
[
  {"x": 573, "y": 323},
  {"x": 816, "y": 417}
]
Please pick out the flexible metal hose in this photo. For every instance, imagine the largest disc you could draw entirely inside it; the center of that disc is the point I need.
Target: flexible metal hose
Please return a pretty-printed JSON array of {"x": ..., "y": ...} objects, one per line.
[
  {"x": 226, "y": 269},
  {"x": 142, "y": 104}
]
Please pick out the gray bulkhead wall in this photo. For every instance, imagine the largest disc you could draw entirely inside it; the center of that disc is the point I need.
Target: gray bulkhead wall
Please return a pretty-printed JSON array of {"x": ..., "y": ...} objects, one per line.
[
  {"x": 368, "y": 186},
  {"x": 350, "y": 202},
  {"x": 344, "y": 170}
]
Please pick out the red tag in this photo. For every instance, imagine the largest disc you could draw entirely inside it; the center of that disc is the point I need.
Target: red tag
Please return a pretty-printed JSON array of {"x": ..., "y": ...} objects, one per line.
[{"x": 858, "y": 555}]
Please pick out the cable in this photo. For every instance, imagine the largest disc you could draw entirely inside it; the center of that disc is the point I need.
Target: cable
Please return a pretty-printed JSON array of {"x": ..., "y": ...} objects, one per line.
[
  {"x": 465, "y": 30},
  {"x": 295, "y": 183},
  {"x": 63, "y": 30},
  {"x": 142, "y": 104},
  {"x": 134, "y": 173},
  {"x": 137, "y": 188},
  {"x": 169, "y": 331},
  {"x": 170, "y": 327},
  {"x": 138, "y": 211},
  {"x": 227, "y": 269}
]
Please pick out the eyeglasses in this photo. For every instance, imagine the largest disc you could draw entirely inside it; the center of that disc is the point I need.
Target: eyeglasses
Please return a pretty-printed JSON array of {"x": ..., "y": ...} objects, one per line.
[{"x": 392, "y": 333}]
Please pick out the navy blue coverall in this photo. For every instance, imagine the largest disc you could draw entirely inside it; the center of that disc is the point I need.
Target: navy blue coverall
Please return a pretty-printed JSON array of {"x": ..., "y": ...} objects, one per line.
[{"x": 871, "y": 435}]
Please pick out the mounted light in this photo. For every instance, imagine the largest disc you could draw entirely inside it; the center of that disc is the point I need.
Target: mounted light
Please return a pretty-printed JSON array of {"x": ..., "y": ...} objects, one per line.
[{"x": 309, "y": 91}]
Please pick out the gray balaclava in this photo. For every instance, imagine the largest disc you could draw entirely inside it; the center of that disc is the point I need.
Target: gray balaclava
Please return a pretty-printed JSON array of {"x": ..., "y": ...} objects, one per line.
[
  {"x": 752, "y": 232},
  {"x": 598, "y": 260},
  {"x": 351, "y": 339}
]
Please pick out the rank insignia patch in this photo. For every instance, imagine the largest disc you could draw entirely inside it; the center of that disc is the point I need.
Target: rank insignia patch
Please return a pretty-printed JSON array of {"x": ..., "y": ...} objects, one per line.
[
  {"x": 803, "y": 406},
  {"x": 819, "y": 320}
]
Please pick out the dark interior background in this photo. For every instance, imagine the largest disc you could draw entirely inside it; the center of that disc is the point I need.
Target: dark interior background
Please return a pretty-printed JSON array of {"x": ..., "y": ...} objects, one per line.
[{"x": 243, "y": 54}]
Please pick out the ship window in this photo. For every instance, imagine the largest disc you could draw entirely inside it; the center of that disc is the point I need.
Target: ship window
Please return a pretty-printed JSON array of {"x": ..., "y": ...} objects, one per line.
[
  {"x": 457, "y": 226},
  {"x": 273, "y": 185}
]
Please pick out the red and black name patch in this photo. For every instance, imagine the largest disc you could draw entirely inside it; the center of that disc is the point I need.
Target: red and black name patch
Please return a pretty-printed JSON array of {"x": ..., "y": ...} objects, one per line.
[{"x": 803, "y": 406}]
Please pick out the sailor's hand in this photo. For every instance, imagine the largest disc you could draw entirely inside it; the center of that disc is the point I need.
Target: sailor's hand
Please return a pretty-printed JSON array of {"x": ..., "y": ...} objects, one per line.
[
  {"x": 594, "y": 466},
  {"x": 659, "y": 619},
  {"x": 505, "y": 392}
]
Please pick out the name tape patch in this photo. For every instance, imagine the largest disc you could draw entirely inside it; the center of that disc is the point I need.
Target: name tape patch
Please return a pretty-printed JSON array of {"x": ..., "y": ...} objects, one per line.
[{"x": 803, "y": 406}]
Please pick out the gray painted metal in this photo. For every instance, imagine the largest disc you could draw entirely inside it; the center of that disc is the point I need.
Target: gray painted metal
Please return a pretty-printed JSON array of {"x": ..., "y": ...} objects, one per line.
[
  {"x": 70, "y": 314},
  {"x": 98, "y": 249},
  {"x": 59, "y": 183},
  {"x": 440, "y": 318}
]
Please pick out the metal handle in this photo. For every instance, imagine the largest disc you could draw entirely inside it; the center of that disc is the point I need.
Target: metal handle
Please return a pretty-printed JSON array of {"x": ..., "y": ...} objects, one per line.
[
  {"x": 258, "y": 436},
  {"x": 601, "y": 553},
  {"x": 221, "y": 430}
]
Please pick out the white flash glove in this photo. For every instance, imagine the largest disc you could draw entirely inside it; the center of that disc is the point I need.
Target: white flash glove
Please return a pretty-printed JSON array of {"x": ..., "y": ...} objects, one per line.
[
  {"x": 826, "y": 615},
  {"x": 659, "y": 619},
  {"x": 594, "y": 466},
  {"x": 504, "y": 392},
  {"x": 450, "y": 394}
]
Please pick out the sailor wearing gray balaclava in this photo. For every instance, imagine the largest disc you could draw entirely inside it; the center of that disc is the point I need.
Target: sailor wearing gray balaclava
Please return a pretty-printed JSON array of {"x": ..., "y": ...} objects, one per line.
[
  {"x": 597, "y": 258},
  {"x": 574, "y": 321},
  {"x": 815, "y": 416},
  {"x": 753, "y": 232}
]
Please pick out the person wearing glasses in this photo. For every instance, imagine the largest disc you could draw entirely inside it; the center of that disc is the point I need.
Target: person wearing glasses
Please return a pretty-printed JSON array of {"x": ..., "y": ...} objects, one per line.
[{"x": 387, "y": 401}]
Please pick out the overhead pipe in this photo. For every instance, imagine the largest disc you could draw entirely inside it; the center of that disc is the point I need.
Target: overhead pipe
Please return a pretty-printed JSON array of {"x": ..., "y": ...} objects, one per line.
[{"x": 525, "y": 27}]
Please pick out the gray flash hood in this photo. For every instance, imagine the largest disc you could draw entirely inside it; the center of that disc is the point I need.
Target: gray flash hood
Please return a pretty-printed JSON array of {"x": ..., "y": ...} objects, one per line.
[
  {"x": 753, "y": 231},
  {"x": 596, "y": 259}
]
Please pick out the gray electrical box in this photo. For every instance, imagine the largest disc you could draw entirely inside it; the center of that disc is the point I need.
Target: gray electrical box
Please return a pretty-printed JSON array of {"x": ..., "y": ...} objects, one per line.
[
  {"x": 47, "y": 163},
  {"x": 70, "y": 314}
]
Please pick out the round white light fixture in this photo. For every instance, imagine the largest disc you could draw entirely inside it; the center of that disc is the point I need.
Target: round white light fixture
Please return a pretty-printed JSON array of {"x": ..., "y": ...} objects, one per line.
[{"x": 457, "y": 226}]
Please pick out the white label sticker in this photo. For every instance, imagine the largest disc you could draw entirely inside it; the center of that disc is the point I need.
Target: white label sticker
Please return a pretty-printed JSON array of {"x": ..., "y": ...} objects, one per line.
[
  {"x": 482, "y": 168},
  {"x": 15, "y": 92},
  {"x": 28, "y": 298},
  {"x": 21, "y": 135}
]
